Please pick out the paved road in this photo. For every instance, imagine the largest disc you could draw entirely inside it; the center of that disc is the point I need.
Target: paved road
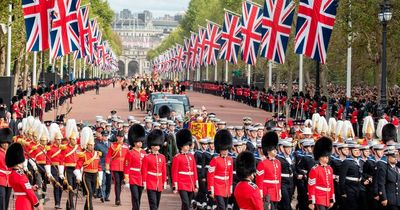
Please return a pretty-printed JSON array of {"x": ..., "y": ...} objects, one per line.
[{"x": 86, "y": 107}]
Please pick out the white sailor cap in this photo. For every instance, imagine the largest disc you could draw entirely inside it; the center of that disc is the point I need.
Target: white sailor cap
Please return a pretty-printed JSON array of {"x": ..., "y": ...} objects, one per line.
[
  {"x": 131, "y": 118},
  {"x": 125, "y": 125},
  {"x": 148, "y": 120},
  {"x": 239, "y": 127},
  {"x": 156, "y": 124},
  {"x": 98, "y": 118},
  {"x": 229, "y": 127},
  {"x": 221, "y": 123},
  {"x": 378, "y": 147},
  {"x": 285, "y": 143},
  {"x": 251, "y": 128},
  {"x": 203, "y": 141},
  {"x": 260, "y": 127},
  {"x": 171, "y": 124},
  {"x": 308, "y": 143}
]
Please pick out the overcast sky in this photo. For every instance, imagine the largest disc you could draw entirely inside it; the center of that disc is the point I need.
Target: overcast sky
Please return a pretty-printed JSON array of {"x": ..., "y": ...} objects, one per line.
[{"x": 157, "y": 7}]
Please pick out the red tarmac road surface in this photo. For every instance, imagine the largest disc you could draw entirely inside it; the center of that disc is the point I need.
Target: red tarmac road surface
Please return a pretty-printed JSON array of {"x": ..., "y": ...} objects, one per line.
[{"x": 86, "y": 107}]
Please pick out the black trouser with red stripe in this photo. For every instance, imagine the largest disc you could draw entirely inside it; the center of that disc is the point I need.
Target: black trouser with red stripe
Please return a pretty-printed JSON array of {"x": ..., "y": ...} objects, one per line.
[
  {"x": 118, "y": 177},
  {"x": 71, "y": 179}
]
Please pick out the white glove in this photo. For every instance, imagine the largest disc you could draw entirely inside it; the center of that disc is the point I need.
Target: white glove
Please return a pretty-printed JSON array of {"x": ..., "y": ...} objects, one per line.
[
  {"x": 25, "y": 165},
  {"x": 33, "y": 164},
  {"x": 48, "y": 170},
  {"x": 165, "y": 185},
  {"x": 127, "y": 186},
  {"x": 78, "y": 175},
  {"x": 100, "y": 178},
  {"x": 61, "y": 171},
  {"x": 144, "y": 186},
  {"x": 108, "y": 172}
]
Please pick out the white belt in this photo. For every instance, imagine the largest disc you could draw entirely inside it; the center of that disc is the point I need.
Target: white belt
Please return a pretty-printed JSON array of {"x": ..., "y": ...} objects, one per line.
[
  {"x": 135, "y": 169},
  {"x": 325, "y": 189},
  {"x": 199, "y": 166},
  {"x": 271, "y": 181},
  {"x": 222, "y": 177},
  {"x": 189, "y": 173},
  {"x": 354, "y": 179},
  {"x": 5, "y": 172},
  {"x": 154, "y": 174},
  {"x": 286, "y": 175},
  {"x": 234, "y": 172},
  {"x": 19, "y": 193}
]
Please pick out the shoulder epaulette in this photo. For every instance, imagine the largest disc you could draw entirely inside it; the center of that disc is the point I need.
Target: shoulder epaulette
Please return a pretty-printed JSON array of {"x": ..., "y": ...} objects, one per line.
[
  {"x": 81, "y": 154},
  {"x": 99, "y": 153}
]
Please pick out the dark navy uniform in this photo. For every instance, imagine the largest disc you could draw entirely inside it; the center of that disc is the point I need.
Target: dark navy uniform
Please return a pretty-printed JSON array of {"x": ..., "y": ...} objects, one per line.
[
  {"x": 287, "y": 175},
  {"x": 302, "y": 168},
  {"x": 388, "y": 185},
  {"x": 369, "y": 173},
  {"x": 350, "y": 183},
  {"x": 336, "y": 163},
  {"x": 201, "y": 197}
]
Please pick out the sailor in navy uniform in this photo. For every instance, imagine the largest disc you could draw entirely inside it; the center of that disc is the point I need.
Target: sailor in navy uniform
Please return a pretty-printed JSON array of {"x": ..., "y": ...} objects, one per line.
[
  {"x": 200, "y": 157},
  {"x": 303, "y": 166},
  {"x": 350, "y": 178},
  {"x": 369, "y": 174},
  {"x": 287, "y": 163}
]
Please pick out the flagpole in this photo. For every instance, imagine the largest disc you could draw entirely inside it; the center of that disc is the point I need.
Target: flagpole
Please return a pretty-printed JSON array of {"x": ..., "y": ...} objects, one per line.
[
  {"x": 62, "y": 68},
  {"x": 8, "y": 67},
  {"x": 301, "y": 73},
  {"x": 74, "y": 70},
  {"x": 207, "y": 73},
  {"x": 248, "y": 74},
  {"x": 80, "y": 69},
  {"x": 216, "y": 72},
  {"x": 34, "y": 71},
  {"x": 198, "y": 74},
  {"x": 84, "y": 71},
  {"x": 270, "y": 74},
  {"x": 349, "y": 55},
  {"x": 226, "y": 71}
]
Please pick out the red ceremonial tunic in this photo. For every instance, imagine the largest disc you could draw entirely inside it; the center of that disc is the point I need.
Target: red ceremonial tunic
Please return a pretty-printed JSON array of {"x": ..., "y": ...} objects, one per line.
[
  {"x": 70, "y": 155},
  {"x": 131, "y": 97},
  {"x": 220, "y": 176},
  {"x": 268, "y": 178},
  {"x": 90, "y": 161},
  {"x": 54, "y": 155},
  {"x": 247, "y": 196},
  {"x": 4, "y": 171},
  {"x": 320, "y": 185},
  {"x": 154, "y": 172},
  {"x": 184, "y": 172},
  {"x": 116, "y": 156},
  {"x": 25, "y": 196},
  {"x": 132, "y": 167}
]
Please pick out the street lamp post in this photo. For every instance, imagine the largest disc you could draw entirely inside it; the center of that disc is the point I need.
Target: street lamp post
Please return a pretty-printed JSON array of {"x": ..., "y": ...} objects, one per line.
[{"x": 385, "y": 15}]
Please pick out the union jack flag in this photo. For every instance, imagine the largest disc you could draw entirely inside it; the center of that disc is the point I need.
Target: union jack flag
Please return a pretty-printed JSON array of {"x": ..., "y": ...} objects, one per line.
[
  {"x": 211, "y": 44},
  {"x": 251, "y": 32},
  {"x": 193, "y": 50},
  {"x": 64, "y": 33},
  {"x": 186, "y": 53},
  {"x": 83, "y": 24},
  {"x": 314, "y": 27},
  {"x": 231, "y": 38},
  {"x": 201, "y": 45},
  {"x": 37, "y": 24},
  {"x": 179, "y": 57},
  {"x": 277, "y": 22},
  {"x": 92, "y": 40}
]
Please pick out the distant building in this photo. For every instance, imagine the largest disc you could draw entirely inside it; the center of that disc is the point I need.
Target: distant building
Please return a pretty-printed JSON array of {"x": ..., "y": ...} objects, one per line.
[{"x": 140, "y": 32}]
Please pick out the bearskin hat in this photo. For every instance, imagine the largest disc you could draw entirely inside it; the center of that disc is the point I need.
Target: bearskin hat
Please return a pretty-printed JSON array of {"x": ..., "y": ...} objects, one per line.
[
  {"x": 164, "y": 111},
  {"x": 269, "y": 142},
  {"x": 183, "y": 138},
  {"x": 323, "y": 147},
  {"x": 14, "y": 155},
  {"x": 183, "y": 88},
  {"x": 6, "y": 135},
  {"x": 389, "y": 133},
  {"x": 155, "y": 138},
  {"x": 136, "y": 133},
  {"x": 245, "y": 165},
  {"x": 223, "y": 140},
  {"x": 130, "y": 87}
]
